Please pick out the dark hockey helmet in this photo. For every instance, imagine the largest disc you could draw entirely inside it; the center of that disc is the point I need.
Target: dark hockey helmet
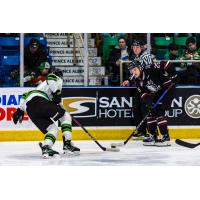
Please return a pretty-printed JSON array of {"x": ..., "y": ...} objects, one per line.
[
  {"x": 135, "y": 63},
  {"x": 58, "y": 72},
  {"x": 138, "y": 43}
]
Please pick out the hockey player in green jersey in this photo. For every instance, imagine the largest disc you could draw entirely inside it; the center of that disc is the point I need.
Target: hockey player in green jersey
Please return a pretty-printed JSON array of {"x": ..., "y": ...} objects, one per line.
[{"x": 43, "y": 106}]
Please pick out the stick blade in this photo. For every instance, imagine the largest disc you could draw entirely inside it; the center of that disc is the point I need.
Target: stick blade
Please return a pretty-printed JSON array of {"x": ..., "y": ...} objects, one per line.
[
  {"x": 114, "y": 145},
  {"x": 186, "y": 144}
]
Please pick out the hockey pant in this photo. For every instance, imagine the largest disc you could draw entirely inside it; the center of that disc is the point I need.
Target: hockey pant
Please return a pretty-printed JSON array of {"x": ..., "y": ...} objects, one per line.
[
  {"x": 157, "y": 118},
  {"x": 43, "y": 113}
]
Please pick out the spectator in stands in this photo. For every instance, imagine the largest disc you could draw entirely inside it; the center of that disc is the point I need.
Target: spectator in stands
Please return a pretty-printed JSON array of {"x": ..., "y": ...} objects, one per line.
[
  {"x": 192, "y": 53},
  {"x": 173, "y": 51},
  {"x": 120, "y": 53},
  {"x": 108, "y": 41},
  {"x": 192, "y": 50},
  {"x": 34, "y": 55},
  {"x": 178, "y": 68}
]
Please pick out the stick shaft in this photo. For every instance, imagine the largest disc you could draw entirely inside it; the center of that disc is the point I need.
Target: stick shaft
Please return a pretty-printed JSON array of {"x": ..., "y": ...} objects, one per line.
[
  {"x": 138, "y": 126},
  {"x": 86, "y": 131}
]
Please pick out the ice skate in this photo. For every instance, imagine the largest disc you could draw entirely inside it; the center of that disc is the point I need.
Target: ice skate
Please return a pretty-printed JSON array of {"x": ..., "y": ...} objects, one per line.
[
  {"x": 165, "y": 141},
  {"x": 47, "y": 151},
  {"x": 69, "y": 148},
  {"x": 149, "y": 140}
]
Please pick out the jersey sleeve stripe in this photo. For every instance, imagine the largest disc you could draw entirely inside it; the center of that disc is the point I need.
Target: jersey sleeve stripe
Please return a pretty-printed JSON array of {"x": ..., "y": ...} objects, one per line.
[
  {"x": 51, "y": 79},
  {"x": 52, "y": 76}
]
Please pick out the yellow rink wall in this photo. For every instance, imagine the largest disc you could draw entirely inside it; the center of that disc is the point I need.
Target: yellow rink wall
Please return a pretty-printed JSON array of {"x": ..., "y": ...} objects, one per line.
[{"x": 99, "y": 134}]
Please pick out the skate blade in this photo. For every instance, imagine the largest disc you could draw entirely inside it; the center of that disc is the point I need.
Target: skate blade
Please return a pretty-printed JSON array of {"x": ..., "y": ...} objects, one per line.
[
  {"x": 148, "y": 143},
  {"x": 46, "y": 156},
  {"x": 71, "y": 154},
  {"x": 163, "y": 144}
]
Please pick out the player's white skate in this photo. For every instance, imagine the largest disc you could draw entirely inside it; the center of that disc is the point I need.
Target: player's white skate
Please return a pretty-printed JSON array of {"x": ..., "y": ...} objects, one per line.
[
  {"x": 149, "y": 141},
  {"x": 164, "y": 142},
  {"x": 69, "y": 149},
  {"x": 47, "y": 151}
]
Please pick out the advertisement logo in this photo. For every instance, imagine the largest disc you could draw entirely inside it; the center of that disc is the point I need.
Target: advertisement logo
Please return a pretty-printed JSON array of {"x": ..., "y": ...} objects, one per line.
[
  {"x": 80, "y": 106},
  {"x": 192, "y": 106},
  {"x": 8, "y": 103}
]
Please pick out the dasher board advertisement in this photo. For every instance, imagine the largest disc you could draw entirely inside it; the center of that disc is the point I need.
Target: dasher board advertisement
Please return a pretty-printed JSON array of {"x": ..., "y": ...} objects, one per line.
[
  {"x": 103, "y": 106},
  {"x": 114, "y": 106}
]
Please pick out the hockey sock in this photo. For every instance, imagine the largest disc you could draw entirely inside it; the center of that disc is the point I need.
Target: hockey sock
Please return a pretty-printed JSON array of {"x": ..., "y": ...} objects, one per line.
[
  {"x": 51, "y": 135},
  {"x": 67, "y": 131},
  {"x": 66, "y": 126},
  {"x": 152, "y": 126},
  {"x": 162, "y": 124}
]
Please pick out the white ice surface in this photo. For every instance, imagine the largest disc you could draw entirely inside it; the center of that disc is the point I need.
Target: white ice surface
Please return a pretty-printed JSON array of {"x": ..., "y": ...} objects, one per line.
[{"x": 134, "y": 153}]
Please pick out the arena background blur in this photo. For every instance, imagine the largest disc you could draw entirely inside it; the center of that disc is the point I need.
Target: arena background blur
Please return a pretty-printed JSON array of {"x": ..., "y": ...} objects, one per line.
[{"x": 66, "y": 52}]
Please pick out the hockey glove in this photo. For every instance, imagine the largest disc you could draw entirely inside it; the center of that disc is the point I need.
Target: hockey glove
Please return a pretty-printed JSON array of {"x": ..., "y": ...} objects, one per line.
[
  {"x": 18, "y": 116},
  {"x": 57, "y": 97}
]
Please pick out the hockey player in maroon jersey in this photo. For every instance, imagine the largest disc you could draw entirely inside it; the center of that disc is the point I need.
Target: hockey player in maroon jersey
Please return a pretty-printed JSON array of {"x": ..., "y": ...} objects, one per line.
[{"x": 151, "y": 84}]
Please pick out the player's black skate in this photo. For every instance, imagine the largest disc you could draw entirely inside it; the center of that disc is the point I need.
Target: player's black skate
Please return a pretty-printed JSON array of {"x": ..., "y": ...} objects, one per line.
[
  {"x": 149, "y": 140},
  {"x": 165, "y": 141},
  {"x": 69, "y": 148},
  {"x": 47, "y": 151}
]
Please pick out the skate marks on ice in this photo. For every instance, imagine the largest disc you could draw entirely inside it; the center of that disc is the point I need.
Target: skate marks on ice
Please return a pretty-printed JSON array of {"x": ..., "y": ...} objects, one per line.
[
  {"x": 134, "y": 153},
  {"x": 29, "y": 154}
]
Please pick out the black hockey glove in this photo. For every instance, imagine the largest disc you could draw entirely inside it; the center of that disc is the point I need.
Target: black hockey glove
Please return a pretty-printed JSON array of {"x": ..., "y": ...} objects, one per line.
[
  {"x": 18, "y": 116},
  {"x": 57, "y": 97}
]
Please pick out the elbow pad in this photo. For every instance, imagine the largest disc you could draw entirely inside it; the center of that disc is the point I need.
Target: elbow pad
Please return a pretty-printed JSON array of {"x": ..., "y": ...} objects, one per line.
[{"x": 57, "y": 97}]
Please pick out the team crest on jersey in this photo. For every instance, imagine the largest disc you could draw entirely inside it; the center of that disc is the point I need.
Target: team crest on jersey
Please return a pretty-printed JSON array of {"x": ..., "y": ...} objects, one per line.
[
  {"x": 150, "y": 82},
  {"x": 80, "y": 106}
]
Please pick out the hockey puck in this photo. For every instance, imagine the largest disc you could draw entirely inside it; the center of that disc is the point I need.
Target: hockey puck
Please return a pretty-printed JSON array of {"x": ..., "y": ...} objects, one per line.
[{"x": 112, "y": 146}]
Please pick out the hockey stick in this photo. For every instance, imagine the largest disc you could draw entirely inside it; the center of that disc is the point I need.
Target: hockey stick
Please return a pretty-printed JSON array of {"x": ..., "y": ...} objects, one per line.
[
  {"x": 85, "y": 130},
  {"x": 114, "y": 145},
  {"x": 186, "y": 144}
]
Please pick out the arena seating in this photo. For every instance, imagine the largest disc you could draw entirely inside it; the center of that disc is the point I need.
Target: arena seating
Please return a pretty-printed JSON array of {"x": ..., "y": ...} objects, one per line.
[
  {"x": 108, "y": 44},
  {"x": 10, "y": 57},
  {"x": 161, "y": 44}
]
